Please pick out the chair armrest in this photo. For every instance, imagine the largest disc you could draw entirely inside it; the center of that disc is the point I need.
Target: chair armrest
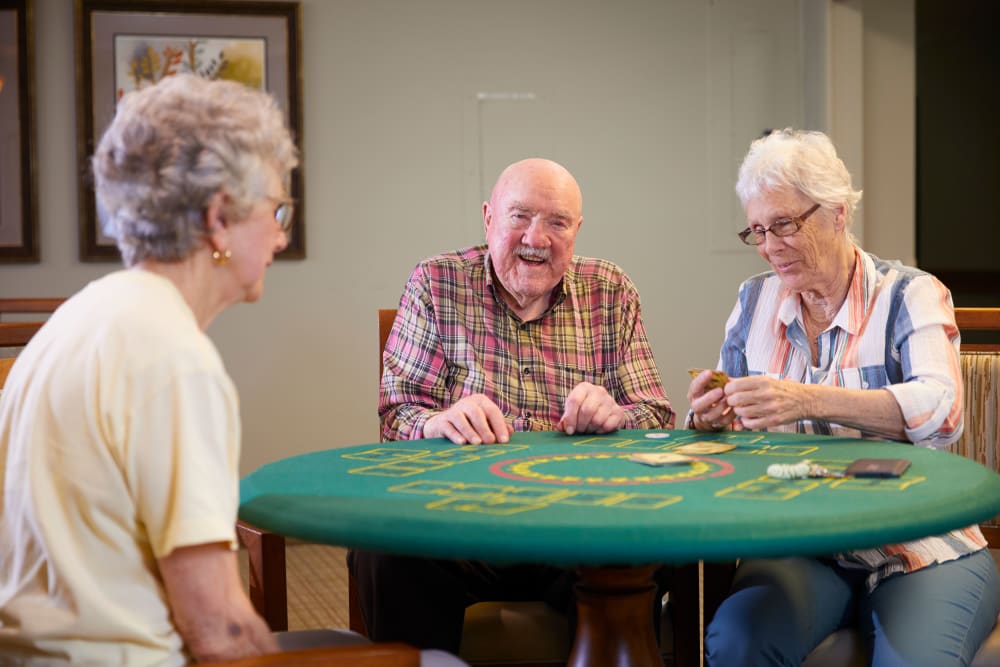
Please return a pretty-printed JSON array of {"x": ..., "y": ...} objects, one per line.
[{"x": 369, "y": 655}]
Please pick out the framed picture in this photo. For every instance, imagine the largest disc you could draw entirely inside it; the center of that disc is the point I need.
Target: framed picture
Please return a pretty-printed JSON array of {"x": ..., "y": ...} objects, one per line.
[
  {"x": 123, "y": 45},
  {"x": 18, "y": 183}
]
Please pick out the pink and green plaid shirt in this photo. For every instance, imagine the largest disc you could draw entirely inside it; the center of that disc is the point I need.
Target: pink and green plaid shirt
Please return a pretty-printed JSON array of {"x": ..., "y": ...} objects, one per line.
[{"x": 454, "y": 336}]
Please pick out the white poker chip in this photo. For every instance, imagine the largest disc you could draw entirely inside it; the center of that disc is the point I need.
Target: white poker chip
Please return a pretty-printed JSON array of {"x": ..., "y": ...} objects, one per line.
[{"x": 658, "y": 436}]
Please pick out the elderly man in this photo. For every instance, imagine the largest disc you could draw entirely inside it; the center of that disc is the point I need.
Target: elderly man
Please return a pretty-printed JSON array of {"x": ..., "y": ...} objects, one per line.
[{"x": 516, "y": 335}]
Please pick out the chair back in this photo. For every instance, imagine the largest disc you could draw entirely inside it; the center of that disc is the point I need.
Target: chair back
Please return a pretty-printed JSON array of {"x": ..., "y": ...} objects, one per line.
[
  {"x": 386, "y": 316},
  {"x": 980, "y": 364},
  {"x": 17, "y": 333}
]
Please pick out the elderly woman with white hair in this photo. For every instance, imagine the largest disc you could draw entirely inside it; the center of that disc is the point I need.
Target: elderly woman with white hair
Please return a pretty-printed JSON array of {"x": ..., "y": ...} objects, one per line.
[{"x": 833, "y": 340}]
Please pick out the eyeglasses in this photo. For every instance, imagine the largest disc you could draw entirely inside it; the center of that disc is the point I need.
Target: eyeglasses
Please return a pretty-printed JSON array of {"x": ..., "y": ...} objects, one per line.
[
  {"x": 782, "y": 227},
  {"x": 284, "y": 213}
]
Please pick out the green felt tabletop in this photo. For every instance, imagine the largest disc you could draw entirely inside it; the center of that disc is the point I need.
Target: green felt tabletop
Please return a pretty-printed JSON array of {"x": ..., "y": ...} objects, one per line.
[{"x": 549, "y": 497}]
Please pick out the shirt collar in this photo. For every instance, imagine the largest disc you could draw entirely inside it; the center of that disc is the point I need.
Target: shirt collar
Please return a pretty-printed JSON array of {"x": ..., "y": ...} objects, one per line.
[{"x": 854, "y": 310}]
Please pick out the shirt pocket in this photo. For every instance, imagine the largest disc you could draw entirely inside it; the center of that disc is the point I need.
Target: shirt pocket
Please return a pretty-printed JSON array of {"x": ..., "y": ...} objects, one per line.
[{"x": 568, "y": 377}]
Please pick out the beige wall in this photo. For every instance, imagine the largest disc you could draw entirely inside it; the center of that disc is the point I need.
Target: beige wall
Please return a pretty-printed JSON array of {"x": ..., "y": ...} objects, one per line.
[{"x": 638, "y": 98}]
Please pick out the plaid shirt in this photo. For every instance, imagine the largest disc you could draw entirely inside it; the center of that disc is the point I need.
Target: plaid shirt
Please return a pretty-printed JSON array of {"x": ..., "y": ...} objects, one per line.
[
  {"x": 895, "y": 331},
  {"x": 455, "y": 336}
]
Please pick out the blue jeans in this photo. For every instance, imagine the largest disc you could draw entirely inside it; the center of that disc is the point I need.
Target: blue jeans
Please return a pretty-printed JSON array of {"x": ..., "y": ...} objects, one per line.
[{"x": 779, "y": 610}]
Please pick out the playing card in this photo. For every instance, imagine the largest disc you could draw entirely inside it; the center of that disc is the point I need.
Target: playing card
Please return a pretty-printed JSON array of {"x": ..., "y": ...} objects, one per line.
[
  {"x": 719, "y": 378},
  {"x": 660, "y": 458},
  {"x": 705, "y": 447}
]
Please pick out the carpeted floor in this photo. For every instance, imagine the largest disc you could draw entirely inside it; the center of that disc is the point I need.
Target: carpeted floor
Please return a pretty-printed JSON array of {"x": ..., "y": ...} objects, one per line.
[{"x": 317, "y": 586}]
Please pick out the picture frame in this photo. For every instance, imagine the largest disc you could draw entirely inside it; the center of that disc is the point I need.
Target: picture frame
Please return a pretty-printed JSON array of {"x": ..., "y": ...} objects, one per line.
[
  {"x": 19, "y": 238},
  {"x": 124, "y": 44}
]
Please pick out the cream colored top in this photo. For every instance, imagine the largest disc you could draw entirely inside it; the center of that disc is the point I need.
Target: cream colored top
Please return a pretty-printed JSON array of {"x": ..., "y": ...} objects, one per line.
[{"x": 119, "y": 442}]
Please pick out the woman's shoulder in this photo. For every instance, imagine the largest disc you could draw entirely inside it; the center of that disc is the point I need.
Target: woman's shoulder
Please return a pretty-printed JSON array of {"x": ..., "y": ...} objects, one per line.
[{"x": 143, "y": 317}]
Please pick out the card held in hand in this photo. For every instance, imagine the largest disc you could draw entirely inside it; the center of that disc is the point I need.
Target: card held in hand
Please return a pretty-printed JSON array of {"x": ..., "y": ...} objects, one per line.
[{"x": 719, "y": 378}]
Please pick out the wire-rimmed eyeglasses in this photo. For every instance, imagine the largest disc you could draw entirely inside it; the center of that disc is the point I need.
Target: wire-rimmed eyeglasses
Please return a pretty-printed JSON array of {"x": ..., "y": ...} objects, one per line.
[{"x": 781, "y": 227}]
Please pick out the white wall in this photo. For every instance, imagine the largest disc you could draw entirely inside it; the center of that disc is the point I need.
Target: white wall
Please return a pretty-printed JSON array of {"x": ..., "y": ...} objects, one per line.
[{"x": 650, "y": 103}]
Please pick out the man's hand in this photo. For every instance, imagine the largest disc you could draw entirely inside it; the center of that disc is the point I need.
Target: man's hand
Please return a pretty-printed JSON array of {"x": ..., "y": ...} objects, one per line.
[
  {"x": 590, "y": 409},
  {"x": 474, "y": 420}
]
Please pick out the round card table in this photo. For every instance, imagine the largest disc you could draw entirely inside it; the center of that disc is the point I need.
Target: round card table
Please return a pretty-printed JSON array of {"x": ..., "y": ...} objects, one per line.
[{"x": 582, "y": 501}]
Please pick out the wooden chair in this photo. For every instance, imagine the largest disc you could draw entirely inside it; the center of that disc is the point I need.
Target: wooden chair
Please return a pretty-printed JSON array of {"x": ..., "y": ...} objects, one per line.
[
  {"x": 16, "y": 334},
  {"x": 981, "y": 374},
  {"x": 980, "y": 441}
]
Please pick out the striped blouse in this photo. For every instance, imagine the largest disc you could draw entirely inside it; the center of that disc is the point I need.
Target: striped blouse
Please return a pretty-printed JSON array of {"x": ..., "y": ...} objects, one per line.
[
  {"x": 896, "y": 330},
  {"x": 455, "y": 336}
]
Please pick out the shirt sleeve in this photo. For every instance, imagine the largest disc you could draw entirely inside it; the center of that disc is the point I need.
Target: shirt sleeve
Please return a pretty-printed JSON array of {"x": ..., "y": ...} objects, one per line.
[
  {"x": 638, "y": 388},
  {"x": 926, "y": 340},
  {"x": 183, "y": 451},
  {"x": 412, "y": 388}
]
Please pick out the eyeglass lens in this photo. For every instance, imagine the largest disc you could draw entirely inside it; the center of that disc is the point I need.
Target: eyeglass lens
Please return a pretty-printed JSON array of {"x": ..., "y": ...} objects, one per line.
[{"x": 283, "y": 214}]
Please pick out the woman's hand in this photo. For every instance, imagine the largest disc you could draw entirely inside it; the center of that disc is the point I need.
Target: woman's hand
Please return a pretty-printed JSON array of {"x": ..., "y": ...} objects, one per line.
[
  {"x": 710, "y": 406},
  {"x": 761, "y": 401}
]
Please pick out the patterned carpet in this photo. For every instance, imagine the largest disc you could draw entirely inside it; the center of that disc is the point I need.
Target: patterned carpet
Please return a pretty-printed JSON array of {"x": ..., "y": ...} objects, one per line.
[{"x": 317, "y": 586}]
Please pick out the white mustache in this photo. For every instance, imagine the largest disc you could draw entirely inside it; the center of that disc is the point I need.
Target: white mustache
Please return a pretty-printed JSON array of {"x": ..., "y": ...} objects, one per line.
[{"x": 534, "y": 253}]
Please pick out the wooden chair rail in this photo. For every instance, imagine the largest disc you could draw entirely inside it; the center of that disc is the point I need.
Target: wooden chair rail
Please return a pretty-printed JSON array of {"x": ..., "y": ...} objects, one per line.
[
  {"x": 977, "y": 318},
  {"x": 17, "y": 334},
  {"x": 30, "y": 304}
]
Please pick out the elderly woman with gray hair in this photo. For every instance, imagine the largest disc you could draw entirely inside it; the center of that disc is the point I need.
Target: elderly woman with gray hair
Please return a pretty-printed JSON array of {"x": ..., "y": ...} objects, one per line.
[
  {"x": 833, "y": 340},
  {"x": 119, "y": 426}
]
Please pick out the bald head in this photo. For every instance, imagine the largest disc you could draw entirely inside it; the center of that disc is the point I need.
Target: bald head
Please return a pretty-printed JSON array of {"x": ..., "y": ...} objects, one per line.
[{"x": 540, "y": 174}]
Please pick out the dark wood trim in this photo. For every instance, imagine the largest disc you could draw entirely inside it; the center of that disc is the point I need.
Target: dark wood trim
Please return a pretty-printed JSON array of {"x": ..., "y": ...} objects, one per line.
[
  {"x": 29, "y": 305},
  {"x": 268, "y": 589},
  {"x": 977, "y": 318},
  {"x": 17, "y": 334}
]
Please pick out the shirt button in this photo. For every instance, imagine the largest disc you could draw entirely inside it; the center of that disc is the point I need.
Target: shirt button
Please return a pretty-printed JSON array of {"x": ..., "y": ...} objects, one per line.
[
  {"x": 527, "y": 370},
  {"x": 527, "y": 415}
]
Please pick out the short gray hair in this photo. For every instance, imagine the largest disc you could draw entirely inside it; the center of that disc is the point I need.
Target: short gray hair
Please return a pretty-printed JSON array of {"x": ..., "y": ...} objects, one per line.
[
  {"x": 800, "y": 159},
  {"x": 171, "y": 147}
]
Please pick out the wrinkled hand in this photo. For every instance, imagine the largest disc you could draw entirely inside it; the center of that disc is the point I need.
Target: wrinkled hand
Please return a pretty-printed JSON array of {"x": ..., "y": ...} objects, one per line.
[
  {"x": 474, "y": 420},
  {"x": 761, "y": 401},
  {"x": 710, "y": 406},
  {"x": 590, "y": 409}
]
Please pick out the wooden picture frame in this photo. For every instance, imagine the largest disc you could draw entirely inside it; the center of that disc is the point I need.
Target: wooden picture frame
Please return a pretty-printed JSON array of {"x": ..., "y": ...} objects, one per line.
[
  {"x": 124, "y": 44},
  {"x": 18, "y": 177}
]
